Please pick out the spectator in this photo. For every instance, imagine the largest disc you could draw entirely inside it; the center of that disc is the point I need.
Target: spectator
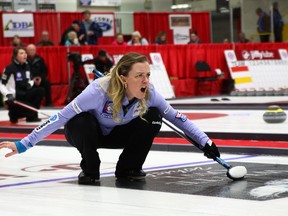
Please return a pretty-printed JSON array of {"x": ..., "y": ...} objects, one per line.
[
  {"x": 90, "y": 29},
  {"x": 16, "y": 41},
  {"x": 75, "y": 26},
  {"x": 242, "y": 38},
  {"x": 39, "y": 72},
  {"x": 16, "y": 83},
  {"x": 161, "y": 38},
  {"x": 136, "y": 39},
  {"x": 278, "y": 23},
  {"x": 119, "y": 40},
  {"x": 194, "y": 39},
  {"x": 263, "y": 25},
  {"x": 45, "y": 41},
  {"x": 72, "y": 39},
  {"x": 103, "y": 62}
]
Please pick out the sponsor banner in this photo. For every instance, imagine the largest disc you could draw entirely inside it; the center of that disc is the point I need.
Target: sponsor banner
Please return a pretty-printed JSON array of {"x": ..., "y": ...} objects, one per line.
[
  {"x": 181, "y": 36},
  {"x": 103, "y": 3},
  {"x": 179, "y": 21},
  {"x": 18, "y": 24},
  {"x": 106, "y": 22},
  {"x": 181, "y": 25},
  {"x": 257, "y": 54},
  {"x": 27, "y": 5},
  {"x": 258, "y": 69}
]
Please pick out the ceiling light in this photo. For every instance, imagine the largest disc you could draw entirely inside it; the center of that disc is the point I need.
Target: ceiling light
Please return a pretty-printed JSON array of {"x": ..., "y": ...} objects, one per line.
[{"x": 180, "y": 6}]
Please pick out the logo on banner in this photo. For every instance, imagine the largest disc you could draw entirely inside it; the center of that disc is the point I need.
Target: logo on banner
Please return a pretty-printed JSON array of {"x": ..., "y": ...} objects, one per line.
[
  {"x": 85, "y": 2},
  {"x": 181, "y": 37},
  {"x": 245, "y": 54},
  {"x": 106, "y": 23},
  {"x": 256, "y": 54},
  {"x": 231, "y": 56},
  {"x": 157, "y": 59},
  {"x": 18, "y": 24}
]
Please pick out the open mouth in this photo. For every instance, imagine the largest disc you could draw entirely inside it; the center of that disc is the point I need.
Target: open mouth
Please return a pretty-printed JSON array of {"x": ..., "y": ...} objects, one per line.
[{"x": 143, "y": 89}]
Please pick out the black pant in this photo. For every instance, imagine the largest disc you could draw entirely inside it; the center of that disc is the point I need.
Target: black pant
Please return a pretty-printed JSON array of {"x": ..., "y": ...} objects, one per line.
[
  {"x": 33, "y": 97},
  {"x": 278, "y": 33},
  {"x": 264, "y": 38},
  {"x": 136, "y": 137},
  {"x": 47, "y": 86}
]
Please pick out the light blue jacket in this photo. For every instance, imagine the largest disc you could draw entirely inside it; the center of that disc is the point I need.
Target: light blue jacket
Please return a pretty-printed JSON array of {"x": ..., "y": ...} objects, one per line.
[{"x": 95, "y": 100}]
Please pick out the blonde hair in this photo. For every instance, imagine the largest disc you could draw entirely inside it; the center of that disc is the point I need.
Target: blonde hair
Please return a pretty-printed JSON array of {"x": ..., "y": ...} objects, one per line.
[
  {"x": 116, "y": 88},
  {"x": 136, "y": 34},
  {"x": 71, "y": 35}
]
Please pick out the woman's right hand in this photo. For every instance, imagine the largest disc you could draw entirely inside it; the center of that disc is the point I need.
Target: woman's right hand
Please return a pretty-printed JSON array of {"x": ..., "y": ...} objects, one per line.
[{"x": 11, "y": 146}]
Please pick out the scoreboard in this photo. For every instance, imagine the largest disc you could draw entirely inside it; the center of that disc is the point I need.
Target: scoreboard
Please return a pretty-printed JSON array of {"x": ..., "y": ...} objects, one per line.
[{"x": 258, "y": 69}]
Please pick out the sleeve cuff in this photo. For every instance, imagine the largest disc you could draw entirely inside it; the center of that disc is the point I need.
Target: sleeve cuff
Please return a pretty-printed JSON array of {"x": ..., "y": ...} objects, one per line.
[{"x": 20, "y": 147}]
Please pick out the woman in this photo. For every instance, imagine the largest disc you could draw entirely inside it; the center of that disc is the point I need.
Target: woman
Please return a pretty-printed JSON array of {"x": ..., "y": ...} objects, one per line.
[
  {"x": 16, "y": 41},
  {"x": 161, "y": 38},
  {"x": 119, "y": 40},
  {"x": 16, "y": 83},
  {"x": 137, "y": 40},
  {"x": 121, "y": 110}
]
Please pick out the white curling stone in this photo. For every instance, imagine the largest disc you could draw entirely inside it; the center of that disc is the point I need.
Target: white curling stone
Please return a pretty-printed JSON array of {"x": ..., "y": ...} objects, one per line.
[{"x": 237, "y": 172}]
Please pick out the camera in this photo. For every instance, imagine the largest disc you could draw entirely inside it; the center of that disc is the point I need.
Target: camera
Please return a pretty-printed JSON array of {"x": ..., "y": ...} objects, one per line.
[
  {"x": 76, "y": 84},
  {"x": 75, "y": 58}
]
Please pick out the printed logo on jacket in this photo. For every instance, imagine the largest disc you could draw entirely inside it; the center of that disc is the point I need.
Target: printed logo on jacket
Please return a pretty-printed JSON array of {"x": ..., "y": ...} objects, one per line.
[{"x": 107, "y": 111}]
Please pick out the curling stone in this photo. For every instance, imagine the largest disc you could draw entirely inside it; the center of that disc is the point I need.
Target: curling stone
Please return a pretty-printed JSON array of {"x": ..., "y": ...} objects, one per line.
[
  {"x": 260, "y": 92},
  {"x": 274, "y": 114},
  {"x": 234, "y": 93},
  {"x": 251, "y": 92}
]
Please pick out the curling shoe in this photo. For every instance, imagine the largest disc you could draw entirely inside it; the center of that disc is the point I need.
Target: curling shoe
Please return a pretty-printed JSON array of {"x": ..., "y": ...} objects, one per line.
[
  {"x": 132, "y": 175},
  {"x": 13, "y": 120},
  {"x": 85, "y": 179}
]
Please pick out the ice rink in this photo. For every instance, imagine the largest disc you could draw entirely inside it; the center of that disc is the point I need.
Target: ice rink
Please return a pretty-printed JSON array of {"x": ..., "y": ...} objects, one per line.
[{"x": 43, "y": 180}]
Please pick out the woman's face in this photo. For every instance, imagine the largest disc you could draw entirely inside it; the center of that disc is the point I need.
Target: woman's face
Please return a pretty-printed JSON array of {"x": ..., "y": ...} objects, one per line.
[
  {"x": 163, "y": 37},
  {"x": 136, "y": 39},
  {"x": 193, "y": 37},
  {"x": 137, "y": 80},
  {"x": 21, "y": 56},
  {"x": 119, "y": 38},
  {"x": 16, "y": 41}
]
